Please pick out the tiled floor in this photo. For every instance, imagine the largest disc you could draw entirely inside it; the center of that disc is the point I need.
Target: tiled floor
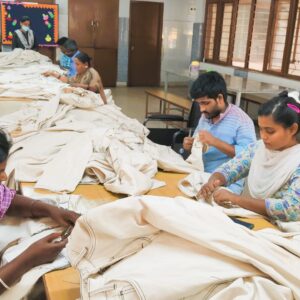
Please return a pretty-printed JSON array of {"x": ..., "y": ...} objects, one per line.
[{"x": 132, "y": 100}]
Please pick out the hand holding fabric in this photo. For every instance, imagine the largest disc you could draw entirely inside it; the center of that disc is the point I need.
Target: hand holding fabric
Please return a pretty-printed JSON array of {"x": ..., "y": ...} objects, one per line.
[
  {"x": 44, "y": 251},
  {"x": 224, "y": 197},
  {"x": 63, "y": 217},
  {"x": 188, "y": 143},
  {"x": 207, "y": 138},
  {"x": 208, "y": 189}
]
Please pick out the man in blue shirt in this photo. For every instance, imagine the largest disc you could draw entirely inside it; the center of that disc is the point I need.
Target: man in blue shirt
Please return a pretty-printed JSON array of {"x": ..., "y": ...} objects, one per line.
[
  {"x": 224, "y": 127},
  {"x": 70, "y": 49},
  {"x": 64, "y": 60}
]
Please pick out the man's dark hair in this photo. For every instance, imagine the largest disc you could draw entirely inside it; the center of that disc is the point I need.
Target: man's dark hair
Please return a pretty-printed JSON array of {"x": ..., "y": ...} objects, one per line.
[
  {"x": 70, "y": 45},
  {"x": 5, "y": 145},
  {"x": 61, "y": 41},
  {"x": 209, "y": 84},
  {"x": 24, "y": 19}
]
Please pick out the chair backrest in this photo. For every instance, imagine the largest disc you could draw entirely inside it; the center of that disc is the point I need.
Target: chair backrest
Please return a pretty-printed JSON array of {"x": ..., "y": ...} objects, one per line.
[{"x": 194, "y": 115}]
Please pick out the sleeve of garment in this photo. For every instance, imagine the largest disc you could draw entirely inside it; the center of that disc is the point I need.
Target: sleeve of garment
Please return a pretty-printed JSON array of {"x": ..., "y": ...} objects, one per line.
[
  {"x": 14, "y": 41},
  {"x": 245, "y": 136},
  {"x": 95, "y": 81},
  {"x": 6, "y": 196},
  {"x": 239, "y": 166},
  {"x": 285, "y": 204}
]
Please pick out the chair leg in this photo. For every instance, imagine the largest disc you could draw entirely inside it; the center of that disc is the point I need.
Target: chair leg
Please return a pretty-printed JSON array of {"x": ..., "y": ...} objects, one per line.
[{"x": 147, "y": 105}]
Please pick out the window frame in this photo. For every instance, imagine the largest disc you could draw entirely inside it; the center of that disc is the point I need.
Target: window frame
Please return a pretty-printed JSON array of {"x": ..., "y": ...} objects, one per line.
[{"x": 292, "y": 22}]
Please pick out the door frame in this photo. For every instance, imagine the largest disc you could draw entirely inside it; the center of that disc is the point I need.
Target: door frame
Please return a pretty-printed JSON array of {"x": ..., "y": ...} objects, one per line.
[{"x": 160, "y": 40}]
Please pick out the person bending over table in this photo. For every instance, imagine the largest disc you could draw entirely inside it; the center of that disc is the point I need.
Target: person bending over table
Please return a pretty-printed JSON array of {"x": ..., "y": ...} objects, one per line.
[
  {"x": 224, "y": 127},
  {"x": 46, "y": 249},
  {"x": 64, "y": 60},
  {"x": 272, "y": 165},
  {"x": 86, "y": 77}
]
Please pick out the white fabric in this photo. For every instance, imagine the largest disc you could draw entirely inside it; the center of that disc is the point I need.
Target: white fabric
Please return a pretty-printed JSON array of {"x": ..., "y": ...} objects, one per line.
[
  {"x": 195, "y": 157},
  {"x": 270, "y": 170},
  {"x": 20, "y": 58},
  {"x": 81, "y": 98},
  {"x": 161, "y": 248},
  {"x": 28, "y": 232},
  {"x": 110, "y": 147},
  {"x": 191, "y": 185}
]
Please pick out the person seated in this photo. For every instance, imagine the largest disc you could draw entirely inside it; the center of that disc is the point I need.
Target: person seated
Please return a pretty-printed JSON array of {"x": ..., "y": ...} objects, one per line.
[
  {"x": 24, "y": 37},
  {"x": 64, "y": 60},
  {"x": 272, "y": 165},
  {"x": 70, "y": 49},
  {"x": 41, "y": 252},
  {"x": 86, "y": 77},
  {"x": 224, "y": 127}
]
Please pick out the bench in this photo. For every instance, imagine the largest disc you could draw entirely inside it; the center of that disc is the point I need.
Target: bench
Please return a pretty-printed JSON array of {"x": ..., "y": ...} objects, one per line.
[{"x": 166, "y": 101}]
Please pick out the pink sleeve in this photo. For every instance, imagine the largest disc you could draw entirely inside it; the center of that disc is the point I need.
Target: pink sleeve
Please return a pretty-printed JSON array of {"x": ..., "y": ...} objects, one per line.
[{"x": 6, "y": 196}]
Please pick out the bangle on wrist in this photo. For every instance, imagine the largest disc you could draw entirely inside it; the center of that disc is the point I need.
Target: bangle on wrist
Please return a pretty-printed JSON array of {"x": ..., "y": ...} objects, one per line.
[{"x": 4, "y": 284}]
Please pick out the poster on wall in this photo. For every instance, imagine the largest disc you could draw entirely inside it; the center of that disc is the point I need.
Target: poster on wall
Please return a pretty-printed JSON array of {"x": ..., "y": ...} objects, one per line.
[{"x": 44, "y": 21}]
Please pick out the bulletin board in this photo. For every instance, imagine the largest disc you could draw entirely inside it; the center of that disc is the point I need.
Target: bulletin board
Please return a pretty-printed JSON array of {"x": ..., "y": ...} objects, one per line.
[{"x": 44, "y": 21}]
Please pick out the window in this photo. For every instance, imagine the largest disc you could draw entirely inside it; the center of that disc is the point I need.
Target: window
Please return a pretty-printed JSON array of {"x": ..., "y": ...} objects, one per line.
[
  {"x": 211, "y": 18},
  {"x": 260, "y": 35},
  {"x": 241, "y": 33},
  {"x": 294, "y": 65},
  {"x": 225, "y": 33},
  {"x": 279, "y": 25}
]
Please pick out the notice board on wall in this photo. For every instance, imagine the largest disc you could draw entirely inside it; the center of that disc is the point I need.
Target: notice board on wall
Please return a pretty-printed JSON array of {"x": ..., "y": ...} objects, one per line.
[{"x": 44, "y": 21}]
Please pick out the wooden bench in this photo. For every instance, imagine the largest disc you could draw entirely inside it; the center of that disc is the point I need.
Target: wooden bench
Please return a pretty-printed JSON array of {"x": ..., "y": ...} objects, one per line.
[{"x": 167, "y": 100}]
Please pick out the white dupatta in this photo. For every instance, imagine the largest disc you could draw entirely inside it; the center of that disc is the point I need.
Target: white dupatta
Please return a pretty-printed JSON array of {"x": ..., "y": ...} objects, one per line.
[
  {"x": 270, "y": 170},
  {"x": 27, "y": 44}
]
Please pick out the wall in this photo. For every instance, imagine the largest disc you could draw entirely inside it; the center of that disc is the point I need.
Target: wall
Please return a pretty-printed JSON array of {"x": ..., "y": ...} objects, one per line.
[
  {"x": 182, "y": 33},
  {"x": 63, "y": 17}
]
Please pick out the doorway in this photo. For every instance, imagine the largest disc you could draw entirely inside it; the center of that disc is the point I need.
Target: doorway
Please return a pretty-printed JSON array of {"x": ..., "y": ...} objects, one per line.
[{"x": 145, "y": 43}]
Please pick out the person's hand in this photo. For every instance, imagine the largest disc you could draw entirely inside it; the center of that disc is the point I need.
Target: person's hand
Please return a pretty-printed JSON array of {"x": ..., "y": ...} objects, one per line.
[
  {"x": 44, "y": 250},
  {"x": 208, "y": 189},
  {"x": 76, "y": 85},
  {"x": 47, "y": 73},
  {"x": 63, "y": 217},
  {"x": 224, "y": 197},
  {"x": 206, "y": 138},
  {"x": 188, "y": 143}
]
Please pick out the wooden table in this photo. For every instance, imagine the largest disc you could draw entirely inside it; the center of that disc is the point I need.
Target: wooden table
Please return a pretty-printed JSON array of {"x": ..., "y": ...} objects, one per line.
[
  {"x": 65, "y": 284},
  {"x": 236, "y": 85}
]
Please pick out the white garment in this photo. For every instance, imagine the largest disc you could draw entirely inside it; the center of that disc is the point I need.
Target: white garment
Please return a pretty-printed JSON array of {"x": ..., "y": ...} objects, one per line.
[
  {"x": 270, "y": 170},
  {"x": 119, "y": 155},
  {"x": 20, "y": 58},
  {"x": 162, "y": 248},
  {"x": 195, "y": 157},
  {"x": 192, "y": 184}
]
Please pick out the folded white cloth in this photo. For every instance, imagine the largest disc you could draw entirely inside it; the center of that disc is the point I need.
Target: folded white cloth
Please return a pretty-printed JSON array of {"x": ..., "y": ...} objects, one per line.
[{"x": 140, "y": 247}]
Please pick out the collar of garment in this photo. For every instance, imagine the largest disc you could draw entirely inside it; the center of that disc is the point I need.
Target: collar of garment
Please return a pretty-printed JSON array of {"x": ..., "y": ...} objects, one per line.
[
  {"x": 222, "y": 115},
  {"x": 77, "y": 52}
]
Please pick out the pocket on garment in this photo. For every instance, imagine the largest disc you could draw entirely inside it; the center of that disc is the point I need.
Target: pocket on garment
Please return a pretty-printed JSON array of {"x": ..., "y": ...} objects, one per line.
[{"x": 116, "y": 290}]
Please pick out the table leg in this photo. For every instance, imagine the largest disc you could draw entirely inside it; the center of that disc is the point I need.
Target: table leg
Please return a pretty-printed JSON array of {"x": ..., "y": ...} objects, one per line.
[
  {"x": 147, "y": 103},
  {"x": 238, "y": 99}
]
